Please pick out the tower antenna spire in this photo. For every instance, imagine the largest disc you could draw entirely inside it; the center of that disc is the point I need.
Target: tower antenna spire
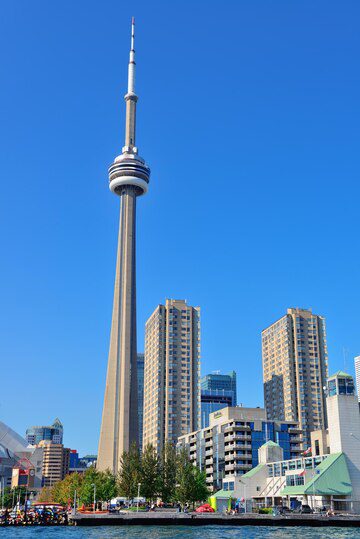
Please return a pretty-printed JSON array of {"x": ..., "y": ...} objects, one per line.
[
  {"x": 131, "y": 72},
  {"x": 131, "y": 99}
]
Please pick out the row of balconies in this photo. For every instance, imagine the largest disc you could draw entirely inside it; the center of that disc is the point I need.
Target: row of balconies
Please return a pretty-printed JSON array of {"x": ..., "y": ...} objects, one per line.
[
  {"x": 231, "y": 467},
  {"x": 233, "y": 437},
  {"x": 233, "y": 445},
  {"x": 239, "y": 457},
  {"x": 236, "y": 427}
]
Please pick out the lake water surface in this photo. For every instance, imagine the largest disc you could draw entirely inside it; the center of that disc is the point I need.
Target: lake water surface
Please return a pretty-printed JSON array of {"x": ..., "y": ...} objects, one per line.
[{"x": 178, "y": 532}]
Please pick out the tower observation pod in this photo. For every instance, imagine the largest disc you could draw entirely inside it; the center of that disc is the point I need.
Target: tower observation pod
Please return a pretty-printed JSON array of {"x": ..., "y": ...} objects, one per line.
[{"x": 128, "y": 178}]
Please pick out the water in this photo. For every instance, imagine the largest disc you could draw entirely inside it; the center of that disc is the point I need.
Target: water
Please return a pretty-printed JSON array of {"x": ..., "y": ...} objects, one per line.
[{"x": 178, "y": 532}]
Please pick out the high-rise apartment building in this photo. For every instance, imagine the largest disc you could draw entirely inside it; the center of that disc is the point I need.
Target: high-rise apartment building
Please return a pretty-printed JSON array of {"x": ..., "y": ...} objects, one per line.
[
  {"x": 171, "y": 375},
  {"x": 140, "y": 395},
  {"x": 294, "y": 357},
  {"x": 357, "y": 375},
  {"x": 55, "y": 463},
  {"x": 53, "y": 433},
  {"x": 217, "y": 391}
]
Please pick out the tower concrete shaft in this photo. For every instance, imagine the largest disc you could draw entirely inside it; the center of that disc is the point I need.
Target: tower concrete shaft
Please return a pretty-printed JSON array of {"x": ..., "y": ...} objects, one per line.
[{"x": 128, "y": 178}]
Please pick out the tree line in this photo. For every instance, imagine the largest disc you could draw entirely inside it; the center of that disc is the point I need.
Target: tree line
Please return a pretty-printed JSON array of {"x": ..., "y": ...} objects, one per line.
[{"x": 170, "y": 476}]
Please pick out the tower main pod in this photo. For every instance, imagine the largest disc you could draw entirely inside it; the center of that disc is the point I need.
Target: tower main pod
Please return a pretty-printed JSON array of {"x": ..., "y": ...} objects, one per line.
[{"x": 128, "y": 178}]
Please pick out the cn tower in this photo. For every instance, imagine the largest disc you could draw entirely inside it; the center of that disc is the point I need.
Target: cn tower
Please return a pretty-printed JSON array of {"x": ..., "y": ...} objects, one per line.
[{"x": 128, "y": 178}]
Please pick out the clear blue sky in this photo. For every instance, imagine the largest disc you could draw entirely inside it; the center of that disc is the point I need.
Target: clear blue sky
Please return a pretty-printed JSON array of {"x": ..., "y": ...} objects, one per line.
[{"x": 249, "y": 119}]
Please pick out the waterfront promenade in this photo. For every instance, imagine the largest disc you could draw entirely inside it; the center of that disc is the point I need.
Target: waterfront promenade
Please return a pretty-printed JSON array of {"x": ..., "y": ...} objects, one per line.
[{"x": 210, "y": 519}]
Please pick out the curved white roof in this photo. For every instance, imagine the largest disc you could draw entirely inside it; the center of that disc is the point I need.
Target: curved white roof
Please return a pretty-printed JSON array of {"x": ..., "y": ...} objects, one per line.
[{"x": 10, "y": 440}]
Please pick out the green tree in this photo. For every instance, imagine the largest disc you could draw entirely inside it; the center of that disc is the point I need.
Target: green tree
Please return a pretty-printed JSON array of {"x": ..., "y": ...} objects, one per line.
[
  {"x": 200, "y": 492},
  {"x": 149, "y": 473},
  {"x": 129, "y": 475},
  {"x": 167, "y": 473},
  {"x": 184, "y": 478},
  {"x": 63, "y": 491},
  {"x": 106, "y": 485},
  {"x": 45, "y": 495},
  {"x": 91, "y": 482},
  {"x": 190, "y": 481},
  {"x": 11, "y": 496}
]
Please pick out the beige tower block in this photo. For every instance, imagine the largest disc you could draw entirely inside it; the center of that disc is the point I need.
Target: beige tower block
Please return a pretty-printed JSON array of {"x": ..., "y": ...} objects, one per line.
[{"x": 172, "y": 373}]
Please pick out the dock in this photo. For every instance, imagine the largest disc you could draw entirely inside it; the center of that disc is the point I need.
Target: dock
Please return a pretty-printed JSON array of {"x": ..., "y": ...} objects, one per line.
[{"x": 213, "y": 519}]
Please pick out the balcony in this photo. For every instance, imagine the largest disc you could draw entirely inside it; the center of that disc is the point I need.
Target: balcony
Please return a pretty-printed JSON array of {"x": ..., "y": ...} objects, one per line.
[
  {"x": 243, "y": 446},
  {"x": 209, "y": 443},
  {"x": 237, "y": 466},
  {"x": 295, "y": 429},
  {"x": 234, "y": 437}
]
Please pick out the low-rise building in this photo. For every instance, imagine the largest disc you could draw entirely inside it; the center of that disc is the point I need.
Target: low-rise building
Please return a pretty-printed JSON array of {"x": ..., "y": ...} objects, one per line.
[
  {"x": 229, "y": 446},
  {"x": 330, "y": 479}
]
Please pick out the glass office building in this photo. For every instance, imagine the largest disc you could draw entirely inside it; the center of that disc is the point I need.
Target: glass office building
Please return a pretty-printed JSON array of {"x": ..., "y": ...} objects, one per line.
[
  {"x": 52, "y": 433},
  {"x": 217, "y": 391}
]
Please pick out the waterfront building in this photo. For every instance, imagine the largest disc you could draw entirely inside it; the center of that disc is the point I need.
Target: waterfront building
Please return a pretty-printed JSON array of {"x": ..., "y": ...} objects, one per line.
[
  {"x": 357, "y": 374},
  {"x": 294, "y": 357},
  {"x": 129, "y": 178},
  {"x": 140, "y": 396},
  {"x": 217, "y": 391},
  {"x": 331, "y": 479},
  {"x": 230, "y": 444},
  {"x": 55, "y": 465},
  {"x": 171, "y": 375},
  {"x": 53, "y": 433}
]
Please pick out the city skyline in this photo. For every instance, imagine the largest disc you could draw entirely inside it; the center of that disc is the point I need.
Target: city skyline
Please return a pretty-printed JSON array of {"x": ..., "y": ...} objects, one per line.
[{"x": 291, "y": 130}]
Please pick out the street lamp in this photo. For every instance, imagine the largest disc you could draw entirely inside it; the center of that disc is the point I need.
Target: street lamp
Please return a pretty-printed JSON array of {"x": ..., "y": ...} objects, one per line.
[
  {"x": 242, "y": 482},
  {"x": 138, "y": 496},
  {"x": 93, "y": 485}
]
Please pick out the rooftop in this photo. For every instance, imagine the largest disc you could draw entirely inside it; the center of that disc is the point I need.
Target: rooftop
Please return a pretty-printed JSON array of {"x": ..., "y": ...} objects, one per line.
[{"x": 340, "y": 374}]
